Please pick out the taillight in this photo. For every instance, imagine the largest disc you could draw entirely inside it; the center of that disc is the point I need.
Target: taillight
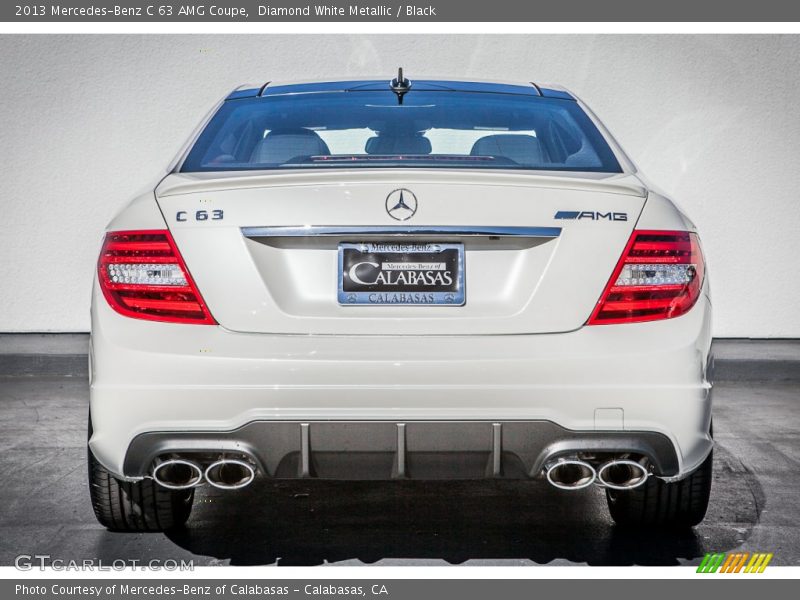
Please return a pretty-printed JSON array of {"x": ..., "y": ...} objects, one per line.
[
  {"x": 659, "y": 276},
  {"x": 142, "y": 275}
]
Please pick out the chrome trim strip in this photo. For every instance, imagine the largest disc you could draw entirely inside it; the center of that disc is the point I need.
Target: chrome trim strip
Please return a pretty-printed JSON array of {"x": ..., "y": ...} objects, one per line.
[
  {"x": 497, "y": 449},
  {"x": 461, "y": 231}
]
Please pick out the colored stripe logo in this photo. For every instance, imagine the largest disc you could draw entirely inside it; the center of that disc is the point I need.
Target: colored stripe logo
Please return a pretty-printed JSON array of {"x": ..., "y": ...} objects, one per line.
[
  {"x": 567, "y": 214},
  {"x": 738, "y": 562}
]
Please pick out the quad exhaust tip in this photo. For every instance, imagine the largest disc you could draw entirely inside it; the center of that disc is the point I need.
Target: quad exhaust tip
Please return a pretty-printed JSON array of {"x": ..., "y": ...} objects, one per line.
[
  {"x": 617, "y": 474},
  {"x": 571, "y": 474},
  {"x": 230, "y": 474},
  {"x": 177, "y": 474},
  {"x": 622, "y": 474}
]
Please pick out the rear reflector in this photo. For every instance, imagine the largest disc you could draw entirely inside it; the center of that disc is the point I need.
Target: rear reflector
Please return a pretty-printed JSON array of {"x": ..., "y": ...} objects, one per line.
[
  {"x": 659, "y": 276},
  {"x": 142, "y": 275}
]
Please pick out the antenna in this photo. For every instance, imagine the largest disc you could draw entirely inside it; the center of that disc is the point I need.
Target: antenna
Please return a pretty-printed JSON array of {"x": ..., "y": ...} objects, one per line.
[{"x": 400, "y": 85}]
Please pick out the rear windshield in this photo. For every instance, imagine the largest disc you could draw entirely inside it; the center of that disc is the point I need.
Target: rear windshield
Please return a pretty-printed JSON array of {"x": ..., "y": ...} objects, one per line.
[{"x": 436, "y": 129}]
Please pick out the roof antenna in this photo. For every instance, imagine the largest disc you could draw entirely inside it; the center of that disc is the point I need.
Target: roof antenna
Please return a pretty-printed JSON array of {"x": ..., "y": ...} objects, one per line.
[{"x": 400, "y": 85}]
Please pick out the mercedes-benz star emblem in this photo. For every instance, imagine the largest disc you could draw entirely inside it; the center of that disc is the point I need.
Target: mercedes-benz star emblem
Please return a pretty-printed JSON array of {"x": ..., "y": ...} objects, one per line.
[{"x": 401, "y": 204}]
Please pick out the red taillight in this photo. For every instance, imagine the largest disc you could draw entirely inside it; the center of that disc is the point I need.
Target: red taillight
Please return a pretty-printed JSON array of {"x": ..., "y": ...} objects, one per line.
[
  {"x": 142, "y": 275},
  {"x": 659, "y": 276}
]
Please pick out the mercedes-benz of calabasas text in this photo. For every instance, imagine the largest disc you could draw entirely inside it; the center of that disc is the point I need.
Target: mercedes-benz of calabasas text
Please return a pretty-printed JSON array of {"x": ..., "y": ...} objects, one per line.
[{"x": 394, "y": 279}]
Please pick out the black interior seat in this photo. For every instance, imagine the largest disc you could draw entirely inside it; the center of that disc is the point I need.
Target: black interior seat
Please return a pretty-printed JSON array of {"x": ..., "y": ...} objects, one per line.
[
  {"x": 523, "y": 149},
  {"x": 400, "y": 144},
  {"x": 282, "y": 145}
]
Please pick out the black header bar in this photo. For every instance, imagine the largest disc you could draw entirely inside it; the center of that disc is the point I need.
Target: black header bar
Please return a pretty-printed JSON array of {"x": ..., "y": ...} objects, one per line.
[{"x": 153, "y": 11}]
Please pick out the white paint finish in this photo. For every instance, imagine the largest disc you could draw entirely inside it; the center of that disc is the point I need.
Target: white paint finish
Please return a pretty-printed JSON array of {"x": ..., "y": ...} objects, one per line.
[
  {"x": 512, "y": 286},
  {"x": 89, "y": 120},
  {"x": 150, "y": 376}
]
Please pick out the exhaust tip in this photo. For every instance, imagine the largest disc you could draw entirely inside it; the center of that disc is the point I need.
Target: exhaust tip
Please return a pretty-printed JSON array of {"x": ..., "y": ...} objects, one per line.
[
  {"x": 622, "y": 474},
  {"x": 230, "y": 474},
  {"x": 177, "y": 474},
  {"x": 571, "y": 474}
]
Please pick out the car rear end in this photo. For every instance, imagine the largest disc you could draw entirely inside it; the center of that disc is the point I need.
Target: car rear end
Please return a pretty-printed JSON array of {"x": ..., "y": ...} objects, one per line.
[{"x": 453, "y": 282}]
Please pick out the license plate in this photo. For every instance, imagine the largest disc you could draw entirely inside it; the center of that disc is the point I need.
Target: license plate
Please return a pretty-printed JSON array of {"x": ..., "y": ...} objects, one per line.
[{"x": 401, "y": 273}]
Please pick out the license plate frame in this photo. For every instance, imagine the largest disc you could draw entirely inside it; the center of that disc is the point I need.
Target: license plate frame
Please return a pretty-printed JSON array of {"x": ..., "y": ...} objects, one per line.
[{"x": 402, "y": 253}]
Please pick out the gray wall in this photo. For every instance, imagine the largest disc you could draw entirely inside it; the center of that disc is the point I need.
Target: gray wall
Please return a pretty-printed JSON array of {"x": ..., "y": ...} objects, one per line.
[{"x": 87, "y": 121}]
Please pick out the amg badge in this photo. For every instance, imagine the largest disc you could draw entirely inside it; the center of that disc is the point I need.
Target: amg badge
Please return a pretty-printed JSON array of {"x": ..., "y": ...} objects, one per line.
[{"x": 591, "y": 215}]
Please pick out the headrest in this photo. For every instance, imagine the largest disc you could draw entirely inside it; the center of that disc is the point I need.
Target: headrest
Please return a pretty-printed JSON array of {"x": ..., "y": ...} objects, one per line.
[
  {"x": 521, "y": 148},
  {"x": 403, "y": 144},
  {"x": 281, "y": 145}
]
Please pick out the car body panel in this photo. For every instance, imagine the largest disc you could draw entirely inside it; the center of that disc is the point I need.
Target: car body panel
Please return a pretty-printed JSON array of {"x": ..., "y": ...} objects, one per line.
[
  {"x": 285, "y": 358},
  {"x": 512, "y": 286},
  {"x": 171, "y": 377}
]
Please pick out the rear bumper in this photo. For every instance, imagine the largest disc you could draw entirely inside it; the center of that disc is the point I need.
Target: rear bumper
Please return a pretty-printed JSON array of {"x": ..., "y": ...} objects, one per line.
[
  {"x": 359, "y": 450},
  {"x": 152, "y": 382}
]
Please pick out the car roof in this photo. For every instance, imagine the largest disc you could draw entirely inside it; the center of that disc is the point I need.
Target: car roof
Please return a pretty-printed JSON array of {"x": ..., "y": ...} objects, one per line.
[{"x": 278, "y": 88}]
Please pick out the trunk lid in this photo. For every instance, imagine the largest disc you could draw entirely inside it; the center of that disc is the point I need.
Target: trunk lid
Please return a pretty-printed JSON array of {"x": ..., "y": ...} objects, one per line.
[{"x": 538, "y": 249}]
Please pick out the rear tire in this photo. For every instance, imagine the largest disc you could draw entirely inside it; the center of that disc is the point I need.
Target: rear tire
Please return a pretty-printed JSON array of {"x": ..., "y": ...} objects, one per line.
[
  {"x": 658, "y": 504},
  {"x": 135, "y": 506}
]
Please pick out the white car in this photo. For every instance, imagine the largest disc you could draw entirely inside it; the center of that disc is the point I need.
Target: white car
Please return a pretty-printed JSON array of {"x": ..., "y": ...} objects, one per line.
[{"x": 401, "y": 279}]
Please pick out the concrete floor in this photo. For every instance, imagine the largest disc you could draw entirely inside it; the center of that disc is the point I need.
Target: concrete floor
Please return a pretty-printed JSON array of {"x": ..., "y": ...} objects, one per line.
[{"x": 44, "y": 502}]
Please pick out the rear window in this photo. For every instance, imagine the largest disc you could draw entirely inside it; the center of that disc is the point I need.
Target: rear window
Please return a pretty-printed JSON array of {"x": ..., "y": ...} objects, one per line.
[{"x": 429, "y": 129}]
